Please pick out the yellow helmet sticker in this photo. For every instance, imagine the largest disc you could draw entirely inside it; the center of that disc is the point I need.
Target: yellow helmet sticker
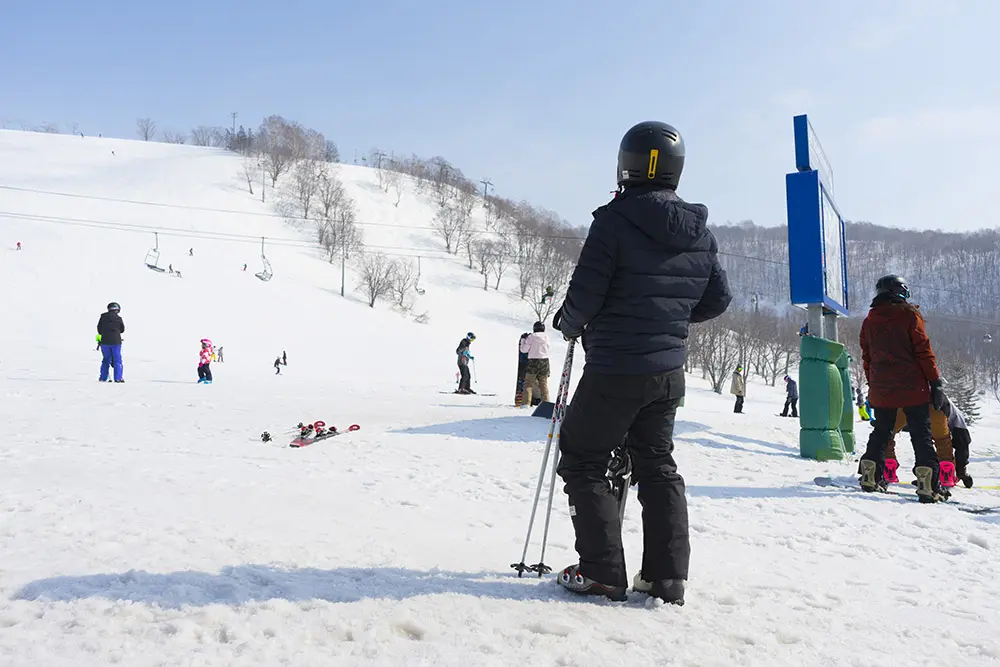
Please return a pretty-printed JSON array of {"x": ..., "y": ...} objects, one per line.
[{"x": 654, "y": 156}]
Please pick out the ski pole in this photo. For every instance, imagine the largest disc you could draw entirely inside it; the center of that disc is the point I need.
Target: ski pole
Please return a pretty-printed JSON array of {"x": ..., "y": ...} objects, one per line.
[
  {"x": 554, "y": 429},
  {"x": 474, "y": 378}
]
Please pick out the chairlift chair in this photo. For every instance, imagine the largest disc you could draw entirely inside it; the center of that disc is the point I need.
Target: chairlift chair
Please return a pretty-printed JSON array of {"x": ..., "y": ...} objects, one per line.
[
  {"x": 266, "y": 273},
  {"x": 153, "y": 256}
]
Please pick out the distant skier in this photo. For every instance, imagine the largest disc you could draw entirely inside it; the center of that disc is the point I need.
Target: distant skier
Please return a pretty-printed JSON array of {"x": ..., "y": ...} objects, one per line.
[
  {"x": 204, "y": 362},
  {"x": 464, "y": 357},
  {"x": 862, "y": 406},
  {"x": 98, "y": 339},
  {"x": 902, "y": 373},
  {"x": 738, "y": 388},
  {"x": 110, "y": 328},
  {"x": 221, "y": 360},
  {"x": 791, "y": 397},
  {"x": 18, "y": 245},
  {"x": 284, "y": 358},
  {"x": 190, "y": 252},
  {"x": 277, "y": 366},
  {"x": 244, "y": 267},
  {"x": 536, "y": 375},
  {"x": 170, "y": 268}
]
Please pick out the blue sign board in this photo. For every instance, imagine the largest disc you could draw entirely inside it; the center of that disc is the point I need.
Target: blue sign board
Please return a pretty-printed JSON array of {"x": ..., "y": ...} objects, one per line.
[{"x": 817, "y": 256}]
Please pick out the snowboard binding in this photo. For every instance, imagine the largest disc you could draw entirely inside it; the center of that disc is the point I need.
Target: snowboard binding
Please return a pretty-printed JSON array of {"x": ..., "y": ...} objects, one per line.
[
  {"x": 891, "y": 466},
  {"x": 947, "y": 474}
]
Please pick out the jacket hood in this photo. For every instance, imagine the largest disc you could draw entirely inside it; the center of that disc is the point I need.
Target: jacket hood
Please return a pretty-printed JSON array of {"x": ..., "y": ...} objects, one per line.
[
  {"x": 664, "y": 217},
  {"x": 885, "y": 298}
]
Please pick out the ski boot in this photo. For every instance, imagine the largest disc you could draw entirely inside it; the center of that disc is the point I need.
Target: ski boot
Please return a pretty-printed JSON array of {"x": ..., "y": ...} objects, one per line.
[
  {"x": 926, "y": 491},
  {"x": 947, "y": 474},
  {"x": 670, "y": 591},
  {"x": 964, "y": 475},
  {"x": 869, "y": 483},
  {"x": 891, "y": 466},
  {"x": 571, "y": 579}
]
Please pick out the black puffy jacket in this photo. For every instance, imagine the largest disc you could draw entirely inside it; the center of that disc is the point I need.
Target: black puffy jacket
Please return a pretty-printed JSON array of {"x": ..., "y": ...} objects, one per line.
[
  {"x": 648, "y": 268},
  {"x": 111, "y": 327}
]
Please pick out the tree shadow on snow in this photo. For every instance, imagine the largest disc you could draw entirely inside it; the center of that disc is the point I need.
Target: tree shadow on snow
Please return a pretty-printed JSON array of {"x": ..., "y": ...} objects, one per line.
[
  {"x": 713, "y": 444},
  {"x": 244, "y": 584},
  {"x": 520, "y": 428}
]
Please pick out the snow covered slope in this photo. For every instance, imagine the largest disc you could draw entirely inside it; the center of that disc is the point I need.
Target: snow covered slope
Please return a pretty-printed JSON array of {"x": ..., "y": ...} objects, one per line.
[{"x": 146, "y": 524}]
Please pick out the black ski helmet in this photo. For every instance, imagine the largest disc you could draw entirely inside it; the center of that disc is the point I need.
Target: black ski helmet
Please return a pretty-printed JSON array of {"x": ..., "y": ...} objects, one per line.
[
  {"x": 538, "y": 327},
  {"x": 651, "y": 153},
  {"x": 113, "y": 307},
  {"x": 894, "y": 285}
]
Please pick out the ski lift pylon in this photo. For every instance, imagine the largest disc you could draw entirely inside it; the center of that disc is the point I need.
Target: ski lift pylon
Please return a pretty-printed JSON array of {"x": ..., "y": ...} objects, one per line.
[
  {"x": 266, "y": 273},
  {"x": 153, "y": 256}
]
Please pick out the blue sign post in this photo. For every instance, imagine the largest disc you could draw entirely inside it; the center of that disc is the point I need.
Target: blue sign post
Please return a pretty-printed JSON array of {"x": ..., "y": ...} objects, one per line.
[
  {"x": 817, "y": 257},
  {"x": 817, "y": 266}
]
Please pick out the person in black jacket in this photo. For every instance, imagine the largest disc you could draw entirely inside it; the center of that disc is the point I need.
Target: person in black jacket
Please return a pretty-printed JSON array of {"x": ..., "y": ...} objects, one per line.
[
  {"x": 110, "y": 327},
  {"x": 791, "y": 397},
  {"x": 648, "y": 268}
]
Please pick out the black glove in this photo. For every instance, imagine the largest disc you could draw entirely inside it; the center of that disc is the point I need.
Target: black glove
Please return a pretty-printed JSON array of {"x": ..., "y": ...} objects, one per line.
[
  {"x": 557, "y": 325},
  {"x": 938, "y": 399}
]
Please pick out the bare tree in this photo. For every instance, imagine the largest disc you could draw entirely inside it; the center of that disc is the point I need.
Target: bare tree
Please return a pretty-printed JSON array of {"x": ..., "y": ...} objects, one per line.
[
  {"x": 282, "y": 143},
  {"x": 201, "y": 136},
  {"x": 485, "y": 252},
  {"x": 251, "y": 171},
  {"x": 717, "y": 351},
  {"x": 330, "y": 151},
  {"x": 306, "y": 182},
  {"x": 146, "y": 128},
  {"x": 375, "y": 272},
  {"x": 395, "y": 180},
  {"x": 48, "y": 128},
  {"x": 330, "y": 193},
  {"x": 448, "y": 224},
  {"x": 340, "y": 234},
  {"x": 173, "y": 137},
  {"x": 548, "y": 278},
  {"x": 470, "y": 242},
  {"x": 502, "y": 258},
  {"x": 404, "y": 279}
]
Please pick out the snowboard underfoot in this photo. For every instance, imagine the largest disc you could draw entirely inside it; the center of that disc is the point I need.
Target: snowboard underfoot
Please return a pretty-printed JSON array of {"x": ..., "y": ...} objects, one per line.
[{"x": 898, "y": 492}]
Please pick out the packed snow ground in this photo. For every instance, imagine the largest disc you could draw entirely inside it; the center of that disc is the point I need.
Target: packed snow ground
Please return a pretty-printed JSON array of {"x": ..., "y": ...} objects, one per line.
[{"x": 147, "y": 524}]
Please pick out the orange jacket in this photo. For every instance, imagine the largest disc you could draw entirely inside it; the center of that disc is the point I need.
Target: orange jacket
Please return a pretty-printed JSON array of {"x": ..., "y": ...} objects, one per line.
[{"x": 896, "y": 352}]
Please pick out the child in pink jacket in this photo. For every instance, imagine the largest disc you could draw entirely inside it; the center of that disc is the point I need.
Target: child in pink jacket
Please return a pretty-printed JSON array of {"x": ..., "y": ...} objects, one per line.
[{"x": 204, "y": 359}]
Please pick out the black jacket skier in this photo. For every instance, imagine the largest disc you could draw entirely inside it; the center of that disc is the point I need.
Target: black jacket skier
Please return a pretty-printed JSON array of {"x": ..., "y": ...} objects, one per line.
[
  {"x": 111, "y": 327},
  {"x": 649, "y": 267}
]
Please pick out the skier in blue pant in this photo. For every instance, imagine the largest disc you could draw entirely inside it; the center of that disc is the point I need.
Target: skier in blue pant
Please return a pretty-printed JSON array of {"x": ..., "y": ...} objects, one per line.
[{"x": 110, "y": 328}]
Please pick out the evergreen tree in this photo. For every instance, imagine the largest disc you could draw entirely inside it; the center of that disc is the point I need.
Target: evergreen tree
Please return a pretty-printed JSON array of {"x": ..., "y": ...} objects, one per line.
[{"x": 961, "y": 391}]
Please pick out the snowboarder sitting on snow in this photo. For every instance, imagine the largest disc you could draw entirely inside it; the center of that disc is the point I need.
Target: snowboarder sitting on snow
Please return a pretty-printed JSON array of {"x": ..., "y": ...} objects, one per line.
[
  {"x": 110, "y": 328},
  {"x": 648, "y": 268},
  {"x": 791, "y": 397},
  {"x": 738, "y": 388},
  {"x": 464, "y": 357},
  {"x": 951, "y": 442},
  {"x": 902, "y": 373},
  {"x": 277, "y": 366},
  {"x": 536, "y": 375},
  {"x": 204, "y": 361}
]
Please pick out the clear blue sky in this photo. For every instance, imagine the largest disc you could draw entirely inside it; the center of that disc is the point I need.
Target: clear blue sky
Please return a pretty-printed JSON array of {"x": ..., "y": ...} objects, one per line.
[{"x": 535, "y": 95}]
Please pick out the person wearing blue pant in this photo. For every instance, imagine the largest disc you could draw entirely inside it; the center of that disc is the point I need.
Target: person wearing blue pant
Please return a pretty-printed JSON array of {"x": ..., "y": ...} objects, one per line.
[{"x": 110, "y": 328}]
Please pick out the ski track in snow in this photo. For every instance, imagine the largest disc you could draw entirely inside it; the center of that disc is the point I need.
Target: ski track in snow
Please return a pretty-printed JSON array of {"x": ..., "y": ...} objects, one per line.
[{"x": 146, "y": 524}]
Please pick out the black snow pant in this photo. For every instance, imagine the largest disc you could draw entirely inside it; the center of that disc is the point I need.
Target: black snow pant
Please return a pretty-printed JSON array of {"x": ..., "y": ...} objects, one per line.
[
  {"x": 465, "y": 383},
  {"x": 738, "y": 408},
  {"x": 606, "y": 408},
  {"x": 960, "y": 440},
  {"x": 204, "y": 372},
  {"x": 918, "y": 419},
  {"x": 792, "y": 403}
]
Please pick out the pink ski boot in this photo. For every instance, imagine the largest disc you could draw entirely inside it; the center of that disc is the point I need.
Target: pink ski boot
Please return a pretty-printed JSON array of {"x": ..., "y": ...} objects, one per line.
[
  {"x": 891, "y": 466},
  {"x": 948, "y": 476}
]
